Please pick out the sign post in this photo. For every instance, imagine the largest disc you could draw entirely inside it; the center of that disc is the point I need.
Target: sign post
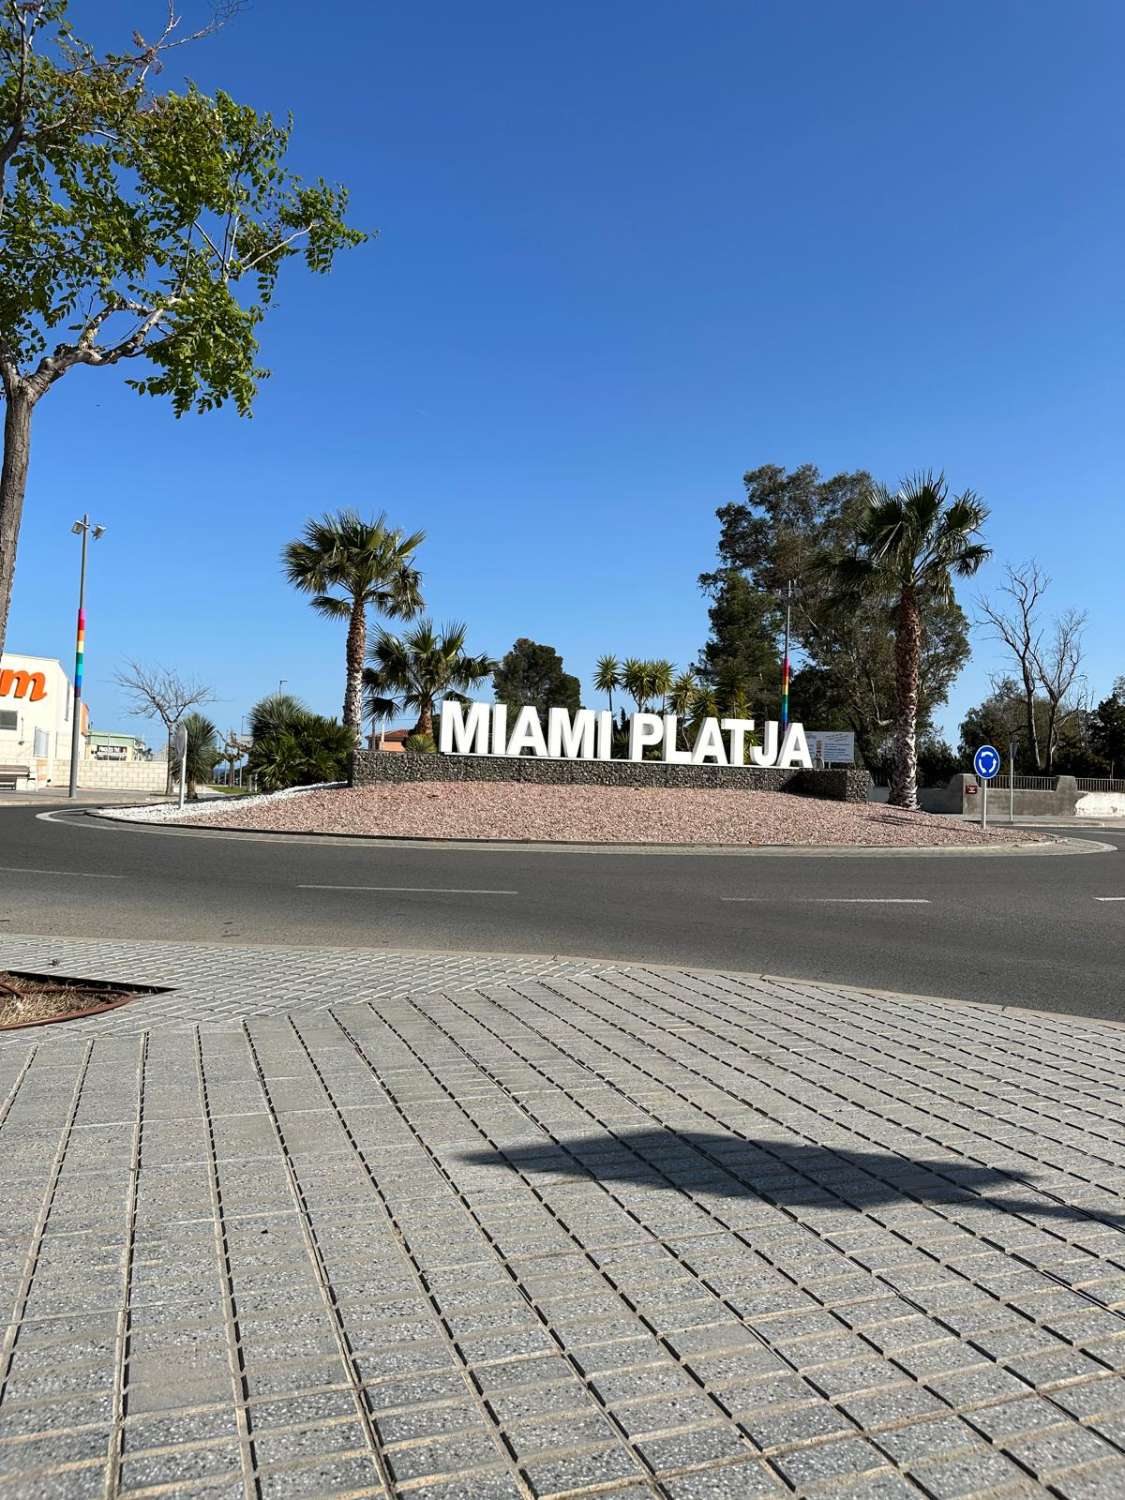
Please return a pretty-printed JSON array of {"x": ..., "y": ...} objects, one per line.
[
  {"x": 179, "y": 746},
  {"x": 986, "y": 763}
]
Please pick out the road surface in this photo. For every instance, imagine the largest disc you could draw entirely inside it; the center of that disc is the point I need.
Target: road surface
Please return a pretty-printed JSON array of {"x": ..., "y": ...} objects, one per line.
[{"x": 1041, "y": 931}]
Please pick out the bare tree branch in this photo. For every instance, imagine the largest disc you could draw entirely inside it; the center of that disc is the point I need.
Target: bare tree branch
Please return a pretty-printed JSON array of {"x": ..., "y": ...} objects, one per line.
[
  {"x": 1017, "y": 627},
  {"x": 161, "y": 693},
  {"x": 1058, "y": 666}
]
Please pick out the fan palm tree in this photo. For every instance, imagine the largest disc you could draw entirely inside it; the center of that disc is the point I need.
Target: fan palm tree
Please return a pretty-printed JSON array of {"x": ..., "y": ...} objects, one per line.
[
  {"x": 350, "y": 565},
  {"x": 202, "y": 753},
  {"x": 635, "y": 680},
  {"x": 910, "y": 546},
  {"x": 662, "y": 674},
  {"x": 681, "y": 700},
  {"x": 425, "y": 664},
  {"x": 607, "y": 676}
]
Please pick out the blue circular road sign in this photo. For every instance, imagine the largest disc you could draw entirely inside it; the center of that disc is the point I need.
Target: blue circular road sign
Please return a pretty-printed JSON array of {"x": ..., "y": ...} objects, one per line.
[{"x": 986, "y": 762}]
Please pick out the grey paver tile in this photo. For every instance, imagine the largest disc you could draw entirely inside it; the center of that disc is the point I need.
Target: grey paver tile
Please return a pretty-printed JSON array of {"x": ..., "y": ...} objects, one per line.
[{"x": 677, "y": 1131}]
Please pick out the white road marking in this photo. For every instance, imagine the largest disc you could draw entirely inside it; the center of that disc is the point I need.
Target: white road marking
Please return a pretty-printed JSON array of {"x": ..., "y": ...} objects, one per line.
[
  {"x": 71, "y": 874},
  {"x": 842, "y": 900},
  {"x": 1109, "y": 898},
  {"x": 425, "y": 890}
]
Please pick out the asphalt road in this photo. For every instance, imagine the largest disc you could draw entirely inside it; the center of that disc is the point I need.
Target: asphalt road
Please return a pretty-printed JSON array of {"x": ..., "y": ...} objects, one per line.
[{"x": 1040, "y": 931}]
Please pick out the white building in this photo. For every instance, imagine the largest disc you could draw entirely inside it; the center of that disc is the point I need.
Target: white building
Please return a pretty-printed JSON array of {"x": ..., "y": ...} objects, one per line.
[{"x": 35, "y": 723}]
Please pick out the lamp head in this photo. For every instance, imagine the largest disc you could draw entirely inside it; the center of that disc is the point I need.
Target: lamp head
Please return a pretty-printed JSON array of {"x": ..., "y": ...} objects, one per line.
[
  {"x": 77, "y": 528},
  {"x": 98, "y": 531}
]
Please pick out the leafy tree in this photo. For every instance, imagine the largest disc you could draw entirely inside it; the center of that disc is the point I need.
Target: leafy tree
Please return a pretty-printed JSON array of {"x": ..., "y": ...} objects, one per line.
[
  {"x": 351, "y": 565},
  {"x": 137, "y": 225},
  {"x": 425, "y": 664},
  {"x": 743, "y": 643},
  {"x": 607, "y": 676},
  {"x": 293, "y": 747},
  {"x": 532, "y": 676},
  {"x": 1107, "y": 729},
  {"x": 202, "y": 755},
  {"x": 910, "y": 545},
  {"x": 789, "y": 527}
]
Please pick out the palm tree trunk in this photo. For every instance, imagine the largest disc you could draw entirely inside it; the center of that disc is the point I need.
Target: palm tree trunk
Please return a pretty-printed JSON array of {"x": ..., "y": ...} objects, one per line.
[
  {"x": 425, "y": 724},
  {"x": 908, "y": 653},
  {"x": 357, "y": 646}
]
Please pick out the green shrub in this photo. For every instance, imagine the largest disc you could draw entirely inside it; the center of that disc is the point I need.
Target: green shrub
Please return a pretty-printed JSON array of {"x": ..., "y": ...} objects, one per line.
[
  {"x": 420, "y": 744},
  {"x": 299, "y": 748}
]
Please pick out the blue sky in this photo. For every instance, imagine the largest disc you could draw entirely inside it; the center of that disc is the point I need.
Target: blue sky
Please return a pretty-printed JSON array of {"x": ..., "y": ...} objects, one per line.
[{"x": 625, "y": 253}]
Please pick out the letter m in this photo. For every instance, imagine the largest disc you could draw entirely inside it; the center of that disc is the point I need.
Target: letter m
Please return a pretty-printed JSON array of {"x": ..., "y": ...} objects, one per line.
[
  {"x": 31, "y": 685},
  {"x": 464, "y": 733}
]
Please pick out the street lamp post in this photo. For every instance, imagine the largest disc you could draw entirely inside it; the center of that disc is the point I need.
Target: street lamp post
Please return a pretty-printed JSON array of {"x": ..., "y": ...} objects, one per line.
[{"x": 81, "y": 528}]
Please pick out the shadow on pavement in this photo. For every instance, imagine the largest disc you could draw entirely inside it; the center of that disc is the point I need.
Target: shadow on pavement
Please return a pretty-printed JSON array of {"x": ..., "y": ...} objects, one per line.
[{"x": 725, "y": 1166}]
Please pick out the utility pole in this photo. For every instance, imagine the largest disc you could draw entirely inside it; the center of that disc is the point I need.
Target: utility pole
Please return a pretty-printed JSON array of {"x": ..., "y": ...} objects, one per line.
[
  {"x": 785, "y": 660},
  {"x": 81, "y": 528}
]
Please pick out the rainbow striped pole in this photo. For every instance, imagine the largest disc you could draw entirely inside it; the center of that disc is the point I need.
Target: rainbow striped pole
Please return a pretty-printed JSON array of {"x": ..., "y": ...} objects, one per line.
[
  {"x": 785, "y": 662},
  {"x": 83, "y": 528}
]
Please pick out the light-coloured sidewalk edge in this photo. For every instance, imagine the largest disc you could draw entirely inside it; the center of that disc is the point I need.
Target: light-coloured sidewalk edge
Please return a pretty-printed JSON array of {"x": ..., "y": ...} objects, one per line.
[{"x": 604, "y": 965}]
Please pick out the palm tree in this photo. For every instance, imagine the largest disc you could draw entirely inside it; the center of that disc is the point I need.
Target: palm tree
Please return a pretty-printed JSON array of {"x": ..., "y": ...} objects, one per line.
[
  {"x": 422, "y": 666},
  {"x": 682, "y": 698},
  {"x": 350, "y": 565},
  {"x": 274, "y": 714},
  {"x": 635, "y": 680},
  {"x": 662, "y": 674},
  {"x": 202, "y": 753},
  {"x": 607, "y": 676},
  {"x": 909, "y": 548}
]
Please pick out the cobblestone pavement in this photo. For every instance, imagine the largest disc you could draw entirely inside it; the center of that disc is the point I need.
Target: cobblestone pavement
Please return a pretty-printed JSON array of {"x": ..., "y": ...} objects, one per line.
[{"x": 622, "y": 1231}]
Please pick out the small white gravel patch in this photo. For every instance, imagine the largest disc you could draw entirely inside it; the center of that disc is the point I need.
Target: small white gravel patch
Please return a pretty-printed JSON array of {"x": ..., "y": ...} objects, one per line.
[
  {"x": 601, "y": 815},
  {"x": 170, "y": 812}
]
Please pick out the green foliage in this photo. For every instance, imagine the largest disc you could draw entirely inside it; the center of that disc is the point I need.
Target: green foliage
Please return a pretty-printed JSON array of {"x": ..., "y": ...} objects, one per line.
[
  {"x": 791, "y": 526},
  {"x": 294, "y": 747},
  {"x": 413, "y": 671},
  {"x": 420, "y": 744},
  {"x": 1107, "y": 730},
  {"x": 143, "y": 223},
  {"x": 532, "y": 676},
  {"x": 345, "y": 561},
  {"x": 607, "y": 677},
  {"x": 909, "y": 546},
  {"x": 745, "y": 625},
  {"x": 351, "y": 565},
  {"x": 274, "y": 713},
  {"x": 203, "y": 753},
  {"x": 137, "y": 226}
]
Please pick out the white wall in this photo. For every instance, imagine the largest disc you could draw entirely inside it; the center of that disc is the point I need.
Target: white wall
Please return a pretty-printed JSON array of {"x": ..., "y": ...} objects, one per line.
[
  {"x": 120, "y": 775},
  {"x": 1101, "y": 805}
]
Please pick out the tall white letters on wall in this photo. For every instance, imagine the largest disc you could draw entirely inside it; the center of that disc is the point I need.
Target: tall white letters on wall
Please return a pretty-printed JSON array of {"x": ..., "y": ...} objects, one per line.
[{"x": 482, "y": 729}]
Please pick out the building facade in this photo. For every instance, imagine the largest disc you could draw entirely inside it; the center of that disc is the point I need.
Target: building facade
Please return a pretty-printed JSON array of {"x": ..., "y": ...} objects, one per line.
[{"x": 35, "y": 722}]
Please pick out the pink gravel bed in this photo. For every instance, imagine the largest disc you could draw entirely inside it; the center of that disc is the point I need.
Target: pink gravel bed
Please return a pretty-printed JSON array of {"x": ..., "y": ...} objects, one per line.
[{"x": 604, "y": 815}]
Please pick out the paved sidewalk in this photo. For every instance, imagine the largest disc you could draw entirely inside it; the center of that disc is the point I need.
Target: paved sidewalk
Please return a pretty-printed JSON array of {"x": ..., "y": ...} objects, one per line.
[{"x": 591, "y": 1229}]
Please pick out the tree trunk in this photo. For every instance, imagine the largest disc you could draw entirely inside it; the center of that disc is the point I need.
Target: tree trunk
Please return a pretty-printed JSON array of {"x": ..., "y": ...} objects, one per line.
[
  {"x": 357, "y": 647},
  {"x": 908, "y": 653},
  {"x": 13, "y": 484},
  {"x": 425, "y": 724},
  {"x": 1032, "y": 729}
]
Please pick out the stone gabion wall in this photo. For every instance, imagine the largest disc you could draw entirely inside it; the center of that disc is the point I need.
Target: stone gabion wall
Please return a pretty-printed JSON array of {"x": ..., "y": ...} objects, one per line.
[{"x": 380, "y": 767}]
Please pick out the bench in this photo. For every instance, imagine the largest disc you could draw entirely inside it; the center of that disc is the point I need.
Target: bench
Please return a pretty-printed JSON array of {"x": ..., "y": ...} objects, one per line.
[{"x": 10, "y": 775}]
